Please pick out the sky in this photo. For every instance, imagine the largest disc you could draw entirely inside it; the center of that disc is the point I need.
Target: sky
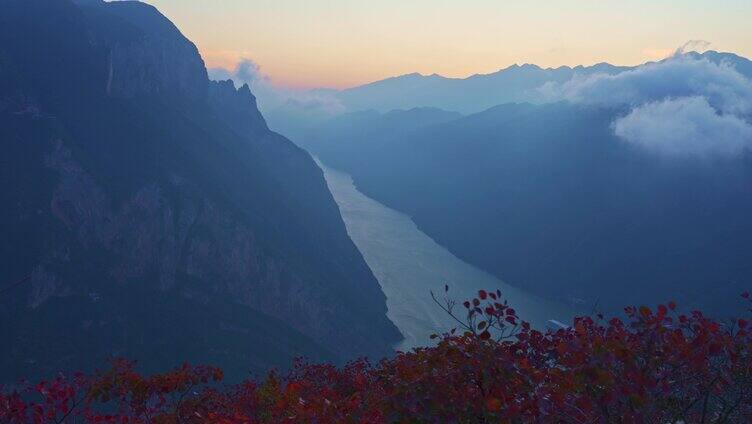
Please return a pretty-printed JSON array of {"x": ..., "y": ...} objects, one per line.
[{"x": 344, "y": 43}]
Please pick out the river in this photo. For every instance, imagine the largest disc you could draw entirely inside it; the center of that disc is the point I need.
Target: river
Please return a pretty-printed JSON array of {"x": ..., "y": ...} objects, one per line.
[{"x": 409, "y": 265}]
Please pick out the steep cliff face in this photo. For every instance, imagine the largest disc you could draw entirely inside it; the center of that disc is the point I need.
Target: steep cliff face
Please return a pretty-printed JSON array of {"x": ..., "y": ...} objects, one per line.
[
  {"x": 147, "y": 54},
  {"x": 153, "y": 214}
]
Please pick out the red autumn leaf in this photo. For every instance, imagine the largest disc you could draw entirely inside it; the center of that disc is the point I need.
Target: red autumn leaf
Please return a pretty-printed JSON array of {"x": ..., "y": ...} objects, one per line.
[
  {"x": 645, "y": 311},
  {"x": 493, "y": 404},
  {"x": 637, "y": 370}
]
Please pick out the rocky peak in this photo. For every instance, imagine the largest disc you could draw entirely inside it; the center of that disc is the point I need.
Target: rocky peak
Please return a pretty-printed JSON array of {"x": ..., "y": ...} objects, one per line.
[{"x": 237, "y": 107}]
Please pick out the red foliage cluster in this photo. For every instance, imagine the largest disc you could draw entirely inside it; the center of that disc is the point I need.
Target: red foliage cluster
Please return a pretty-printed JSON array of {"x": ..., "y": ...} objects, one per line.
[{"x": 658, "y": 366}]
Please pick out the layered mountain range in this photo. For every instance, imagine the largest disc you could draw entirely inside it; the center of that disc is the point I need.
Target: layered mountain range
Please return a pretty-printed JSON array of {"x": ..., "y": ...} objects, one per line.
[
  {"x": 476, "y": 93},
  {"x": 151, "y": 213},
  {"x": 297, "y": 115},
  {"x": 627, "y": 186},
  {"x": 516, "y": 83}
]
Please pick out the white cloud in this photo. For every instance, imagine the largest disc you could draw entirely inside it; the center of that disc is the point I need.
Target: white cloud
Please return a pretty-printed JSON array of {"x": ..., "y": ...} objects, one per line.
[
  {"x": 680, "y": 105},
  {"x": 724, "y": 87},
  {"x": 687, "y": 126},
  {"x": 692, "y": 45}
]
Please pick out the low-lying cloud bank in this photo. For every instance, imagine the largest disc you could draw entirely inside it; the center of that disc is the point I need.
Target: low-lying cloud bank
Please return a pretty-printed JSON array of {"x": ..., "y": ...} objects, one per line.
[
  {"x": 681, "y": 106},
  {"x": 685, "y": 126}
]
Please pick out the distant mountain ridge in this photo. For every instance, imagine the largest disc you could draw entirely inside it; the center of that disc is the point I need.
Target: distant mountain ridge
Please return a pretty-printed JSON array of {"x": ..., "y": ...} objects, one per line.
[
  {"x": 298, "y": 118},
  {"x": 514, "y": 84},
  {"x": 464, "y": 95},
  {"x": 152, "y": 214}
]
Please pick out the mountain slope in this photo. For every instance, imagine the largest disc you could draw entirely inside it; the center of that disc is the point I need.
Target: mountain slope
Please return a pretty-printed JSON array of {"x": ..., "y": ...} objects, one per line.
[
  {"x": 547, "y": 198},
  {"x": 154, "y": 213}
]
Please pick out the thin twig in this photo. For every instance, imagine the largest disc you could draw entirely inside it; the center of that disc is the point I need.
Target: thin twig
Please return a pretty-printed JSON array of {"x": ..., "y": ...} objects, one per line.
[{"x": 13, "y": 285}]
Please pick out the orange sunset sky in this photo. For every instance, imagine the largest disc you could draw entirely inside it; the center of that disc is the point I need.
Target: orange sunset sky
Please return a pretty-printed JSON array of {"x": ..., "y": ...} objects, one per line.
[{"x": 342, "y": 43}]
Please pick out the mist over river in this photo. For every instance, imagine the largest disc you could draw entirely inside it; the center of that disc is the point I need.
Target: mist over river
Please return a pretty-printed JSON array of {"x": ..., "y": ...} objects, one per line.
[{"x": 409, "y": 264}]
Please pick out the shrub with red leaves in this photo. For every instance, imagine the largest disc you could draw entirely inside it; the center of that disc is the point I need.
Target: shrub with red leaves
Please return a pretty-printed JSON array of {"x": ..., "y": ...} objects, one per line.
[{"x": 657, "y": 366}]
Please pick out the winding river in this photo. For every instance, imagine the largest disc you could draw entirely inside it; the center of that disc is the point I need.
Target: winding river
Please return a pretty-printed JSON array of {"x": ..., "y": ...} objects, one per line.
[{"x": 409, "y": 265}]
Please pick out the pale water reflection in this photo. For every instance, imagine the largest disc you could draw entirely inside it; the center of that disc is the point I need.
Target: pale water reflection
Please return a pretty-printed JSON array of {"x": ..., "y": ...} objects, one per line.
[{"x": 408, "y": 264}]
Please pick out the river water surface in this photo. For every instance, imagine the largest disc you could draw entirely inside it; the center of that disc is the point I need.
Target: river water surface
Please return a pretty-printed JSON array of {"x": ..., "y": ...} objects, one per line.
[{"x": 409, "y": 265}]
